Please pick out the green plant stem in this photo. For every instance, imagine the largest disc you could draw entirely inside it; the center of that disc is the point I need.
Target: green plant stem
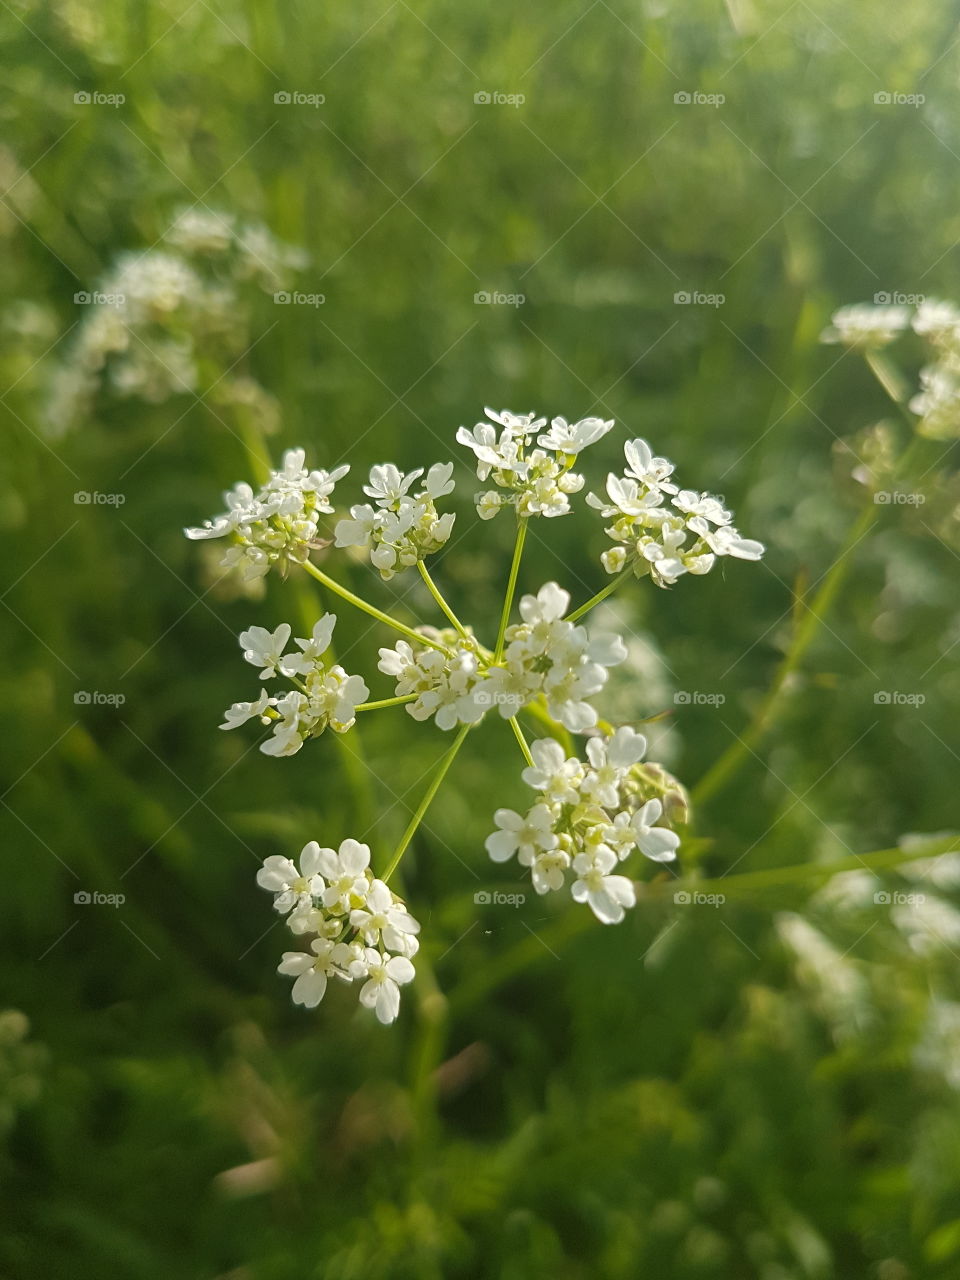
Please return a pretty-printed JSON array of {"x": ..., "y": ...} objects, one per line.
[
  {"x": 387, "y": 702},
  {"x": 539, "y": 711},
  {"x": 511, "y": 587},
  {"x": 518, "y": 734},
  {"x": 438, "y": 596},
  {"x": 608, "y": 590},
  {"x": 427, "y": 800},
  {"x": 332, "y": 585}
]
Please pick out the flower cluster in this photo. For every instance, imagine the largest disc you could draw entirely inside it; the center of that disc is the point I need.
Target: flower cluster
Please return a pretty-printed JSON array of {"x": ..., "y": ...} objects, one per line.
[
  {"x": 401, "y": 528},
  {"x": 866, "y": 326},
  {"x": 937, "y": 402},
  {"x": 534, "y": 481},
  {"x": 545, "y": 655},
  {"x": 364, "y": 933},
  {"x": 661, "y": 530},
  {"x": 155, "y": 315},
  {"x": 325, "y": 695},
  {"x": 276, "y": 525},
  {"x": 588, "y": 818},
  {"x": 589, "y": 815}
]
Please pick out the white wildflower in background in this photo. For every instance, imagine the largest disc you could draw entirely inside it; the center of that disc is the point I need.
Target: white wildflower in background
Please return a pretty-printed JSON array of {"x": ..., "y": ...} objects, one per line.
[
  {"x": 591, "y": 813},
  {"x": 155, "y": 315},
  {"x": 402, "y": 528},
  {"x": 868, "y": 326}
]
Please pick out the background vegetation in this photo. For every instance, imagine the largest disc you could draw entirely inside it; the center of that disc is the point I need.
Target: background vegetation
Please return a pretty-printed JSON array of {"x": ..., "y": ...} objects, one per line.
[{"x": 763, "y": 1089}]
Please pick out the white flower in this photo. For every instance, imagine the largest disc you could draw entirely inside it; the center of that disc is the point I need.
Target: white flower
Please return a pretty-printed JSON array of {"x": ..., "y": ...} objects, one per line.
[
  {"x": 312, "y": 649},
  {"x": 384, "y": 917},
  {"x": 312, "y": 971},
  {"x": 449, "y": 686},
  {"x": 241, "y": 712},
  {"x": 287, "y": 738},
  {"x": 403, "y": 528},
  {"x": 547, "y": 870},
  {"x": 345, "y": 872},
  {"x": 611, "y": 759},
  {"x": 607, "y": 895},
  {"x": 551, "y": 773},
  {"x": 385, "y": 976},
  {"x": 866, "y": 326},
  {"x": 278, "y": 525},
  {"x": 564, "y": 437},
  {"x": 265, "y": 648},
  {"x": 657, "y": 843},
  {"x": 291, "y": 885},
  {"x": 524, "y": 835}
]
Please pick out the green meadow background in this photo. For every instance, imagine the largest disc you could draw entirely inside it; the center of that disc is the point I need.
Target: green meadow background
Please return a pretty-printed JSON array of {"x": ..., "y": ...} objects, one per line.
[{"x": 765, "y": 1088}]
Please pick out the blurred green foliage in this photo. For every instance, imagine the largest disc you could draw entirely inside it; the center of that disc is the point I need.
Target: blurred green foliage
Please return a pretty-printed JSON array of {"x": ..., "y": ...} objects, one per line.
[{"x": 699, "y": 1093}]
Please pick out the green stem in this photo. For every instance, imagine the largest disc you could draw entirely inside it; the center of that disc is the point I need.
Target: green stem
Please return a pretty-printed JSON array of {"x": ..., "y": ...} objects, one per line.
[
  {"x": 387, "y": 702},
  {"x": 511, "y": 587},
  {"x": 518, "y": 734},
  {"x": 334, "y": 586},
  {"x": 608, "y": 590},
  {"x": 427, "y": 800},
  {"x": 538, "y": 710},
  {"x": 438, "y": 596}
]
